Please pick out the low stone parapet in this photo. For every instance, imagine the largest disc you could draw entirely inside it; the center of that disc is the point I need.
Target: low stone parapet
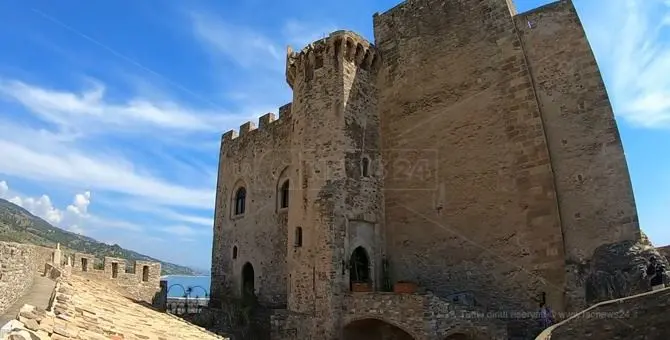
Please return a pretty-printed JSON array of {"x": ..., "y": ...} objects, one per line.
[{"x": 19, "y": 263}]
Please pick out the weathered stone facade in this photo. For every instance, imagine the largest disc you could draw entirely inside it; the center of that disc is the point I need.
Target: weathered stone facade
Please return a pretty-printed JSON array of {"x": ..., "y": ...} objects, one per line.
[
  {"x": 471, "y": 150},
  {"x": 19, "y": 264}
]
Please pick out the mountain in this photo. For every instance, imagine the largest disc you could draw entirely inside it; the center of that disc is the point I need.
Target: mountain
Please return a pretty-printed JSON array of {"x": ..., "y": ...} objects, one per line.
[{"x": 19, "y": 225}]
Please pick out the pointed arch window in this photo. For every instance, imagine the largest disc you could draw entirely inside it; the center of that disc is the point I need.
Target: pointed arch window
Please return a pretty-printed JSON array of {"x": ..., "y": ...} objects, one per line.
[
  {"x": 240, "y": 201},
  {"x": 365, "y": 167},
  {"x": 234, "y": 252},
  {"x": 284, "y": 195},
  {"x": 298, "y": 236}
]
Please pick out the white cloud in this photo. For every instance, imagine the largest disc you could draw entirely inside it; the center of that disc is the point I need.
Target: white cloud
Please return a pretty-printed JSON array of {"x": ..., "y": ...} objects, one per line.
[
  {"x": 71, "y": 218},
  {"x": 89, "y": 111},
  {"x": 632, "y": 40},
  {"x": 43, "y": 157},
  {"x": 4, "y": 189}
]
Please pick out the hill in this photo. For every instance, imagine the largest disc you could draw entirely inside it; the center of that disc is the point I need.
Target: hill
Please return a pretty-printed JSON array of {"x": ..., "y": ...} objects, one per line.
[{"x": 19, "y": 225}]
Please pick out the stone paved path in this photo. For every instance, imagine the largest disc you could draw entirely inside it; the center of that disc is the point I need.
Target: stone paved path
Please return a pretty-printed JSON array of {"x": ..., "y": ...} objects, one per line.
[{"x": 38, "y": 296}]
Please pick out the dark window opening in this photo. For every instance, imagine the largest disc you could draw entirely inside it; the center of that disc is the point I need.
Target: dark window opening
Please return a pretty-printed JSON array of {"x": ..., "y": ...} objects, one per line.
[
  {"x": 145, "y": 273},
  {"x": 234, "y": 252},
  {"x": 365, "y": 164},
  {"x": 240, "y": 198},
  {"x": 298, "y": 236},
  {"x": 115, "y": 270},
  {"x": 84, "y": 265},
  {"x": 360, "y": 266},
  {"x": 248, "y": 289},
  {"x": 283, "y": 200}
]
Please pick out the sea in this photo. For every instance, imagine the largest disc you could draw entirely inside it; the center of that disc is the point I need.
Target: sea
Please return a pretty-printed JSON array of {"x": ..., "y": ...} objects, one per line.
[{"x": 177, "y": 283}]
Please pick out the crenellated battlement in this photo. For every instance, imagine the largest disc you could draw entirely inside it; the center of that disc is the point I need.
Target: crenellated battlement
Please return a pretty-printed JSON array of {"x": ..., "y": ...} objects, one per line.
[
  {"x": 264, "y": 122},
  {"x": 141, "y": 280},
  {"x": 339, "y": 46}
]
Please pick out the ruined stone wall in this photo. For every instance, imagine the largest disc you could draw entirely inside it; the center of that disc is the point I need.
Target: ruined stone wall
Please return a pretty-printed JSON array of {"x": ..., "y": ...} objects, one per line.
[
  {"x": 478, "y": 212},
  {"x": 259, "y": 160},
  {"x": 141, "y": 282},
  {"x": 338, "y": 206},
  {"x": 595, "y": 194},
  {"x": 19, "y": 263},
  {"x": 665, "y": 251},
  {"x": 643, "y": 316}
]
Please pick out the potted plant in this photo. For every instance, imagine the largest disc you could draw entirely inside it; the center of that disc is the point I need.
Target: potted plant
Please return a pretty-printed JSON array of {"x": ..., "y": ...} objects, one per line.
[{"x": 404, "y": 287}]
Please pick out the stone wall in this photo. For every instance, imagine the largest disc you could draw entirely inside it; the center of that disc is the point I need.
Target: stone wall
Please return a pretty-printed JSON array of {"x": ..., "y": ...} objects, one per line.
[
  {"x": 455, "y": 88},
  {"x": 637, "y": 317},
  {"x": 594, "y": 191},
  {"x": 19, "y": 263},
  {"x": 141, "y": 282},
  {"x": 665, "y": 251},
  {"x": 258, "y": 160},
  {"x": 339, "y": 202},
  {"x": 396, "y": 316}
]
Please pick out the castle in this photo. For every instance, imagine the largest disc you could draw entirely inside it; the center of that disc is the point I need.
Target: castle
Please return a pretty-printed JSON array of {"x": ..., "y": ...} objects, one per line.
[{"x": 471, "y": 150}]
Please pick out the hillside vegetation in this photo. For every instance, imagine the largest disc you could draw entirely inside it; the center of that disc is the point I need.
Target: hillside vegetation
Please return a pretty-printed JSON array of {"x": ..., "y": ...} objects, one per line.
[{"x": 19, "y": 225}]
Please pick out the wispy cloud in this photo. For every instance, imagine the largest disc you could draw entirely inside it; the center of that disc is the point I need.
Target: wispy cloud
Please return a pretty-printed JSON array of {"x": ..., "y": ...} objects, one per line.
[
  {"x": 240, "y": 44},
  {"x": 632, "y": 40},
  {"x": 42, "y": 157},
  {"x": 298, "y": 33},
  {"x": 182, "y": 230},
  {"x": 248, "y": 47},
  {"x": 89, "y": 111}
]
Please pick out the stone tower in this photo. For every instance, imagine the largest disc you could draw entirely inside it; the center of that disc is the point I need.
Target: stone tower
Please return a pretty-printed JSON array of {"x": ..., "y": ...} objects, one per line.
[
  {"x": 335, "y": 149},
  {"x": 471, "y": 150}
]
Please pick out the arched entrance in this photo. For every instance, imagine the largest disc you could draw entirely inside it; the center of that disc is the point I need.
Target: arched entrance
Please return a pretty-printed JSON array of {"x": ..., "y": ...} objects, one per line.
[
  {"x": 373, "y": 329},
  {"x": 248, "y": 288},
  {"x": 359, "y": 264}
]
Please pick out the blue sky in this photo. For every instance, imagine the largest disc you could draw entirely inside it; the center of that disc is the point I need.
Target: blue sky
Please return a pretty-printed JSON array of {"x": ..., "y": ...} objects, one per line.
[{"x": 111, "y": 111}]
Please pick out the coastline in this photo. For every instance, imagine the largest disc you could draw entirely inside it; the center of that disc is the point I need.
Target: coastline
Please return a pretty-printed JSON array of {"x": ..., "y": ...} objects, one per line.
[{"x": 178, "y": 275}]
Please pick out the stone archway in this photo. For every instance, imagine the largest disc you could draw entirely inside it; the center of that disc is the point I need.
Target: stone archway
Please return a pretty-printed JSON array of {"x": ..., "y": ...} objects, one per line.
[
  {"x": 248, "y": 287},
  {"x": 374, "y": 329},
  {"x": 458, "y": 336},
  {"x": 467, "y": 335}
]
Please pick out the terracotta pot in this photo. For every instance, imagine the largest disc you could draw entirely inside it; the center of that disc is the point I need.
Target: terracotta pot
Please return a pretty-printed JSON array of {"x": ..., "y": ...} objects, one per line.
[
  {"x": 361, "y": 287},
  {"x": 404, "y": 287}
]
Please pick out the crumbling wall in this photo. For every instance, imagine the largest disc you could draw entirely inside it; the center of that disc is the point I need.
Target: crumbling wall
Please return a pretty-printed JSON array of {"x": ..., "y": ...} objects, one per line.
[
  {"x": 638, "y": 317},
  {"x": 665, "y": 251},
  {"x": 19, "y": 263}
]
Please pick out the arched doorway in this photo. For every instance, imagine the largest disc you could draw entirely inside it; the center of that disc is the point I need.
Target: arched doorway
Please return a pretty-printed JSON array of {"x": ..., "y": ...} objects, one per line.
[
  {"x": 373, "y": 329},
  {"x": 359, "y": 267},
  {"x": 248, "y": 288}
]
